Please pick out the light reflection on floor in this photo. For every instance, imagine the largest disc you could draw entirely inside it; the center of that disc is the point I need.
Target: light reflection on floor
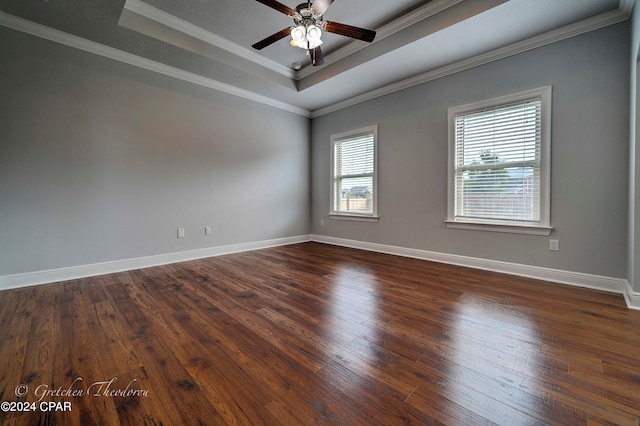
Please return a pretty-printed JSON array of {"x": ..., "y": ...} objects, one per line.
[
  {"x": 505, "y": 364},
  {"x": 353, "y": 305},
  {"x": 482, "y": 347}
]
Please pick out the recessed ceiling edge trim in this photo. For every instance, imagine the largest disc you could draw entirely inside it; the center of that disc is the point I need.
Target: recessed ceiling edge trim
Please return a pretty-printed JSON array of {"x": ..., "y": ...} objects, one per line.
[
  {"x": 572, "y": 30},
  {"x": 426, "y": 11},
  {"x": 178, "y": 24},
  {"x": 42, "y": 31},
  {"x": 153, "y": 13}
]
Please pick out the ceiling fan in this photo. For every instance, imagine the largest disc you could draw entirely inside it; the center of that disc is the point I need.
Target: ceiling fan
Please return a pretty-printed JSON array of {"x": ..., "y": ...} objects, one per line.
[{"x": 308, "y": 28}]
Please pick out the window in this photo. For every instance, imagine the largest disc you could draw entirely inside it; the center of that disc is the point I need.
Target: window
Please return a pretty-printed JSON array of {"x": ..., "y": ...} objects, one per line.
[
  {"x": 353, "y": 164},
  {"x": 499, "y": 164}
]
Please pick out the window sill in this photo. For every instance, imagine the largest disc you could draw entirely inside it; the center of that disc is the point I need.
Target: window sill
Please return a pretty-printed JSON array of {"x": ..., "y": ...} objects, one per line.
[
  {"x": 499, "y": 227},
  {"x": 357, "y": 218}
]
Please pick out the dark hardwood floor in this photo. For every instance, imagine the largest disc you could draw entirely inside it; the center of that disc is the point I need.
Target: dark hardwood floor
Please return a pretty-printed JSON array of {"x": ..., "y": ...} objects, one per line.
[{"x": 315, "y": 334}]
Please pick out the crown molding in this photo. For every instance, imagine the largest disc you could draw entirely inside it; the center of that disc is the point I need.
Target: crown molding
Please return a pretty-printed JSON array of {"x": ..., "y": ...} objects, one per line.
[
  {"x": 76, "y": 42},
  {"x": 178, "y": 24},
  {"x": 591, "y": 24},
  {"x": 578, "y": 28},
  {"x": 420, "y": 14}
]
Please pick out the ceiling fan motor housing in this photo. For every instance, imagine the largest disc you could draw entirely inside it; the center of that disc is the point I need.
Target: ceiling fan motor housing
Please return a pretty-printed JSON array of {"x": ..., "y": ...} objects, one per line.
[{"x": 306, "y": 16}]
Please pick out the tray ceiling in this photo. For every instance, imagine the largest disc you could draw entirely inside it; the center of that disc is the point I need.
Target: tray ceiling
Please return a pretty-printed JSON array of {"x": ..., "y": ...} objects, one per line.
[{"x": 209, "y": 41}]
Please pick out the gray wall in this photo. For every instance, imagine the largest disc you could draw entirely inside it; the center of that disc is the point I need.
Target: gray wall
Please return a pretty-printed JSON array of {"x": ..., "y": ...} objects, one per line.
[
  {"x": 590, "y": 148},
  {"x": 102, "y": 161}
]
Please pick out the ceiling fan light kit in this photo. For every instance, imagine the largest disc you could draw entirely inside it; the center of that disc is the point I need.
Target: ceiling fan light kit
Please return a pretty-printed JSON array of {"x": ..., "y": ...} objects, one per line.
[
  {"x": 309, "y": 25},
  {"x": 306, "y": 37}
]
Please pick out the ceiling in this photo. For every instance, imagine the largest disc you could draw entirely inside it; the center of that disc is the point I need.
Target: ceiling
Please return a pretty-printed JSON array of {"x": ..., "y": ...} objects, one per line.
[{"x": 208, "y": 42}]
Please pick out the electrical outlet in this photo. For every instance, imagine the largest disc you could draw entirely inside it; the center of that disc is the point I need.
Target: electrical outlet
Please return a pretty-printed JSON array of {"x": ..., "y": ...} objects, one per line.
[
  {"x": 554, "y": 245},
  {"x": 207, "y": 230},
  {"x": 180, "y": 232},
  {"x": 321, "y": 222}
]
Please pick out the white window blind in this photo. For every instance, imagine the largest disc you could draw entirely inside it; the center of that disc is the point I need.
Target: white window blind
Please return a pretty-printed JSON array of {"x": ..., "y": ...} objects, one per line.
[
  {"x": 353, "y": 189},
  {"x": 500, "y": 173},
  {"x": 498, "y": 163}
]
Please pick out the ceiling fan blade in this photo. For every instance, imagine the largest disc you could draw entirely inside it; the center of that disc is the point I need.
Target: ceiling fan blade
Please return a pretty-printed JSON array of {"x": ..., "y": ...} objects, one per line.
[
  {"x": 317, "y": 58},
  {"x": 272, "y": 39},
  {"x": 278, "y": 6},
  {"x": 350, "y": 31},
  {"x": 321, "y": 6}
]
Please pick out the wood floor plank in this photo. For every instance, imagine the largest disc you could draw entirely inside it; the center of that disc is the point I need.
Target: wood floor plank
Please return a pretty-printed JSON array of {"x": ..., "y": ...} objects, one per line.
[{"x": 316, "y": 334}]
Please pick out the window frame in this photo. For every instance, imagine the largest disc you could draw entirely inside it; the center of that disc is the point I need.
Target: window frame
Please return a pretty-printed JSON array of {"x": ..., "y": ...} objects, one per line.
[
  {"x": 543, "y": 226},
  {"x": 365, "y": 217}
]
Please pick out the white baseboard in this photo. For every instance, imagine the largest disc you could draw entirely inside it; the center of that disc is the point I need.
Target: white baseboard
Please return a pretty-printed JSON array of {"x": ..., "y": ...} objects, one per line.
[
  {"x": 597, "y": 282},
  {"x": 615, "y": 285},
  {"x": 83, "y": 271},
  {"x": 632, "y": 298}
]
